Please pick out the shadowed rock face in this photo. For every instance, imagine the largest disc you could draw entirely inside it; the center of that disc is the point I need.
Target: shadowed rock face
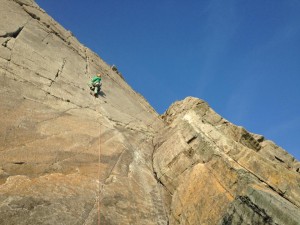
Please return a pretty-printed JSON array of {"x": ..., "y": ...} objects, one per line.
[{"x": 69, "y": 158}]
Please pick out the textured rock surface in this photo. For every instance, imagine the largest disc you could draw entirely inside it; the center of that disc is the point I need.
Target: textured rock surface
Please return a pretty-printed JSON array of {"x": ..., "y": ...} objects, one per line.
[
  {"x": 218, "y": 173},
  {"x": 68, "y": 158},
  {"x": 50, "y": 134}
]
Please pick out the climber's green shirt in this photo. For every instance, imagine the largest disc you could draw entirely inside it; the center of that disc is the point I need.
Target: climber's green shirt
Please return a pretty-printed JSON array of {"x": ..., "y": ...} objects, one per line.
[{"x": 96, "y": 80}]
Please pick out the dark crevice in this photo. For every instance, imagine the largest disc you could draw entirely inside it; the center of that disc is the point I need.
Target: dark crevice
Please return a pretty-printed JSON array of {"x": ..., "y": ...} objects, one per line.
[
  {"x": 259, "y": 211},
  {"x": 192, "y": 139},
  {"x": 19, "y": 163},
  {"x": 280, "y": 160},
  {"x": 31, "y": 14},
  {"x": 8, "y": 60},
  {"x": 13, "y": 34},
  {"x": 87, "y": 59},
  {"x": 47, "y": 25},
  {"x": 155, "y": 173},
  {"x": 59, "y": 71},
  {"x": 26, "y": 68},
  {"x": 58, "y": 35},
  {"x": 4, "y": 44},
  {"x": 56, "y": 75},
  {"x": 21, "y": 3},
  {"x": 160, "y": 182},
  {"x": 237, "y": 216},
  {"x": 67, "y": 100}
]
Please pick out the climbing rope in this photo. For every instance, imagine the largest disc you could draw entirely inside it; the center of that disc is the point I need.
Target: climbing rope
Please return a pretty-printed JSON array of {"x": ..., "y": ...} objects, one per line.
[
  {"x": 98, "y": 174},
  {"x": 99, "y": 186}
]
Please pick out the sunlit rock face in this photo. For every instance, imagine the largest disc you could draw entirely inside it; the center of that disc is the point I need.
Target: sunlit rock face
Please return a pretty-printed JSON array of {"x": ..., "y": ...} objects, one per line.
[
  {"x": 218, "y": 173},
  {"x": 53, "y": 131},
  {"x": 69, "y": 158}
]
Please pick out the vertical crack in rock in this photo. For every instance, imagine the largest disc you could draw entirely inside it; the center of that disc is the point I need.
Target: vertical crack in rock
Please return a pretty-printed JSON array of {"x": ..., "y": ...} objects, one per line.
[
  {"x": 93, "y": 212},
  {"x": 155, "y": 173},
  {"x": 115, "y": 164},
  {"x": 59, "y": 71},
  {"x": 87, "y": 60},
  {"x": 161, "y": 184}
]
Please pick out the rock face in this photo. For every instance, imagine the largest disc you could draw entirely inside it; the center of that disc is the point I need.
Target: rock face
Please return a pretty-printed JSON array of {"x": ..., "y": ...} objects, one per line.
[
  {"x": 69, "y": 158},
  {"x": 218, "y": 173}
]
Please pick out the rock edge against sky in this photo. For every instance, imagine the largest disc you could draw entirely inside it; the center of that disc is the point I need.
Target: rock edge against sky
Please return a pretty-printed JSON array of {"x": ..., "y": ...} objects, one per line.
[{"x": 69, "y": 158}]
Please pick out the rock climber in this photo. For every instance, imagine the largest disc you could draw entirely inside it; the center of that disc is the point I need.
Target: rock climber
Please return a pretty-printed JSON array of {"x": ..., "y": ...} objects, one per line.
[{"x": 95, "y": 84}]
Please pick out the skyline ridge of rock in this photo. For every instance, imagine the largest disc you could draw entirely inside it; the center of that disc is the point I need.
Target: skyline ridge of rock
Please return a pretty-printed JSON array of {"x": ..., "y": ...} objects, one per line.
[{"x": 69, "y": 158}]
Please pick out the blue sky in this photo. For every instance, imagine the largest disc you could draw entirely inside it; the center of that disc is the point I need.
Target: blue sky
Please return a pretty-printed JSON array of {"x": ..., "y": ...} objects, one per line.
[{"x": 241, "y": 56}]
